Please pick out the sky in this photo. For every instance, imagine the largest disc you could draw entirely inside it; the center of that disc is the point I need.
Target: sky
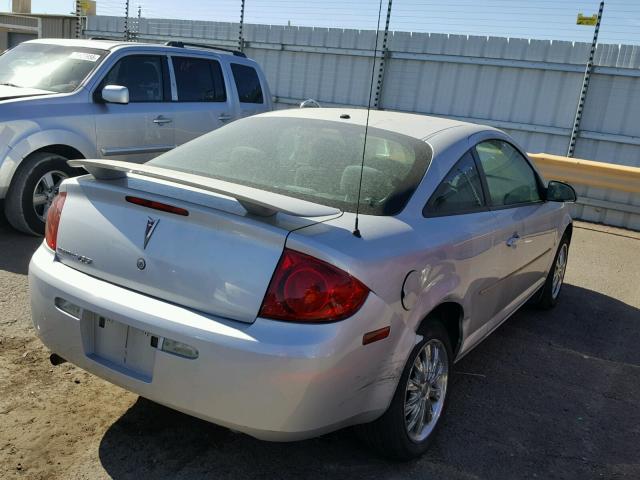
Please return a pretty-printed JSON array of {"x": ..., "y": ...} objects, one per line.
[{"x": 545, "y": 19}]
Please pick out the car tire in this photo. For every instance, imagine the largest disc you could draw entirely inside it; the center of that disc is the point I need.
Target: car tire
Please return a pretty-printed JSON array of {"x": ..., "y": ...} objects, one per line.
[
  {"x": 549, "y": 293},
  {"x": 19, "y": 206},
  {"x": 391, "y": 435}
]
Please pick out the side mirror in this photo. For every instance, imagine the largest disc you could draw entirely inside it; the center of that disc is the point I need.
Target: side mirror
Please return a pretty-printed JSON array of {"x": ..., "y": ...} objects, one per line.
[
  {"x": 560, "y": 192},
  {"x": 115, "y": 94}
]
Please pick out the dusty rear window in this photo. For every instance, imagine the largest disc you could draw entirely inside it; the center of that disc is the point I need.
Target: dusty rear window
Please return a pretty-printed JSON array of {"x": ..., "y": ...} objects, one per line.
[{"x": 315, "y": 160}]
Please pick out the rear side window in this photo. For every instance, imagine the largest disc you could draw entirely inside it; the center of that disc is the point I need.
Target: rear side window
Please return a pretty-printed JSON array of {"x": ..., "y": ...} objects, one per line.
[
  {"x": 460, "y": 191},
  {"x": 247, "y": 83},
  {"x": 510, "y": 178},
  {"x": 143, "y": 75},
  {"x": 199, "y": 80}
]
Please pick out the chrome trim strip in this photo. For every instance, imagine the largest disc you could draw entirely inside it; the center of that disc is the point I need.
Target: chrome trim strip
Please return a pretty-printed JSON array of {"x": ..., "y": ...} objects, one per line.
[{"x": 109, "y": 152}]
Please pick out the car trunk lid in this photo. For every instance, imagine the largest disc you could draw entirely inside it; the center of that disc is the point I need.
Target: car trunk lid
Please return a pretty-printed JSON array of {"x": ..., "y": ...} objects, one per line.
[{"x": 217, "y": 259}]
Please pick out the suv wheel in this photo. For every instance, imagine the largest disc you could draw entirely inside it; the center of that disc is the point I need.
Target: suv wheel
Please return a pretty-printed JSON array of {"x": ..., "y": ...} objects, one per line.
[
  {"x": 407, "y": 427},
  {"x": 33, "y": 188}
]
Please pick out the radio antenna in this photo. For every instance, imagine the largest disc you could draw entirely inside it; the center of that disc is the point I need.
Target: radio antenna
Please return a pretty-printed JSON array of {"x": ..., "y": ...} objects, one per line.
[{"x": 356, "y": 230}]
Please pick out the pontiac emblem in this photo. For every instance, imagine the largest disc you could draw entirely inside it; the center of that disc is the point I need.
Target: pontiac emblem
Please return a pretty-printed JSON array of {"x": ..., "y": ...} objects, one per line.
[{"x": 152, "y": 223}]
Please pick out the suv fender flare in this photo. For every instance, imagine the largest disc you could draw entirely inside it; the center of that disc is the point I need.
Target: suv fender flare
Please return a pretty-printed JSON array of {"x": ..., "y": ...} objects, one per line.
[{"x": 36, "y": 141}]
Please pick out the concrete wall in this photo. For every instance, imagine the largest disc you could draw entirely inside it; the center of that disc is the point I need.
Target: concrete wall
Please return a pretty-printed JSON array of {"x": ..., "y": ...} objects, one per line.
[{"x": 529, "y": 88}]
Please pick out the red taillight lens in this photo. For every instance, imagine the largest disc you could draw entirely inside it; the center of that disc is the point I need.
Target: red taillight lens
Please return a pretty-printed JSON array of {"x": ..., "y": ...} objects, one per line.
[
  {"x": 157, "y": 205},
  {"x": 53, "y": 220},
  {"x": 305, "y": 289}
]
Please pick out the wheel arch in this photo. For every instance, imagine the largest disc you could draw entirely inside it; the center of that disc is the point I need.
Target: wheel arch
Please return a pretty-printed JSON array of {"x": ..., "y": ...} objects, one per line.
[
  {"x": 450, "y": 314},
  {"x": 568, "y": 231},
  {"x": 65, "y": 151},
  {"x": 62, "y": 142}
]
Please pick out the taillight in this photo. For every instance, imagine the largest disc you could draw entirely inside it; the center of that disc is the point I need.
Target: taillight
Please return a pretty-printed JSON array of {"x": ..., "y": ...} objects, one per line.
[
  {"x": 157, "y": 205},
  {"x": 305, "y": 289},
  {"x": 53, "y": 220}
]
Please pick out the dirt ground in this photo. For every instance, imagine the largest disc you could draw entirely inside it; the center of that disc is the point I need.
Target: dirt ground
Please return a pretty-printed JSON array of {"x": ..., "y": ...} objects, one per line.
[{"x": 549, "y": 395}]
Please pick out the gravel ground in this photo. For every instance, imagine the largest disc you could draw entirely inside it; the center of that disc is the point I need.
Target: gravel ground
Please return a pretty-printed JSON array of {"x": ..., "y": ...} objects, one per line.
[{"x": 548, "y": 395}]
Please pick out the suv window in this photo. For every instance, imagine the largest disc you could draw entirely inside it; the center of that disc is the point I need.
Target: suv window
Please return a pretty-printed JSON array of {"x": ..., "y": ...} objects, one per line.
[
  {"x": 143, "y": 75},
  {"x": 510, "y": 178},
  {"x": 459, "y": 192},
  {"x": 247, "y": 83},
  {"x": 199, "y": 80}
]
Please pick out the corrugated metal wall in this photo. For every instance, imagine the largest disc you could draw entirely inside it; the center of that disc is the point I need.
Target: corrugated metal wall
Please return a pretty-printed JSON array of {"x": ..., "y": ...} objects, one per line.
[
  {"x": 58, "y": 27},
  {"x": 529, "y": 88}
]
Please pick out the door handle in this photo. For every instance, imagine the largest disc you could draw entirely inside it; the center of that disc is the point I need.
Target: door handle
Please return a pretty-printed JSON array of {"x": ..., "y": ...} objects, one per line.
[
  {"x": 161, "y": 120},
  {"x": 224, "y": 117},
  {"x": 513, "y": 240}
]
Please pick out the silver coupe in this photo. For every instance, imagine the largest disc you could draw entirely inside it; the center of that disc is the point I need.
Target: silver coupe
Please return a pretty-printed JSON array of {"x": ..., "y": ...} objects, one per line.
[{"x": 229, "y": 278}]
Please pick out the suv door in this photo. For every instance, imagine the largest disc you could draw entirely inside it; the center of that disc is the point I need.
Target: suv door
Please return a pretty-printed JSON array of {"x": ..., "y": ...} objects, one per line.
[
  {"x": 141, "y": 129},
  {"x": 515, "y": 195},
  {"x": 250, "y": 95},
  {"x": 201, "y": 95}
]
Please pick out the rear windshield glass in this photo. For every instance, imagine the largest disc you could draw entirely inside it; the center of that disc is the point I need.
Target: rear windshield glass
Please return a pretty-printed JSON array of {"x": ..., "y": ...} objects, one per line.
[{"x": 315, "y": 160}]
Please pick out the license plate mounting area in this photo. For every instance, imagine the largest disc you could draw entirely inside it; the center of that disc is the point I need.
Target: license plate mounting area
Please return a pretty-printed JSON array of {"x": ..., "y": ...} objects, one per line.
[{"x": 119, "y": 346}]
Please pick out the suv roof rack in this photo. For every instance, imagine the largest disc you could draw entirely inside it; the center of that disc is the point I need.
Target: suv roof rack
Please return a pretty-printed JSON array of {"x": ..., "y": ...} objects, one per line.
[{"x": 174, "y": 43}]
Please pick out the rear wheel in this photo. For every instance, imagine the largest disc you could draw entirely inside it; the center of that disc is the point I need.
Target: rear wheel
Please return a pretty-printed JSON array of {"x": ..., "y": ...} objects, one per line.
[
  {"x": 550, "y": 291},
  {"x": 34, "y": 185},
  {"x": 406, "y": 429}
]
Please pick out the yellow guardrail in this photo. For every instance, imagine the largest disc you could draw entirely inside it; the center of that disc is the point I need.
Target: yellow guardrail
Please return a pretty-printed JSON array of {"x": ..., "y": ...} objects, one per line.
[{"x": 587, "y": 172}]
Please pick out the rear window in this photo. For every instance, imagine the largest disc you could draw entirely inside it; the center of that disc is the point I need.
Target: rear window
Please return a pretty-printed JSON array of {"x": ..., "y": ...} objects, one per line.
[
  {"x": 315, "y": 160},
  {"x": 247, "y": 83}
]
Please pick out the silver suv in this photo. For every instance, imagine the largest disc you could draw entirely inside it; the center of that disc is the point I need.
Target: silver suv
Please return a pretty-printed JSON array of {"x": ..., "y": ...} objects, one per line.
[{"x": 73, "y": 99}]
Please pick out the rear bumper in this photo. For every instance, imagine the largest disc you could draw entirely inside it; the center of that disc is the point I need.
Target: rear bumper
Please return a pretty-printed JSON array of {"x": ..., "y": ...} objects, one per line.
[{"x": 272, "y": 380}]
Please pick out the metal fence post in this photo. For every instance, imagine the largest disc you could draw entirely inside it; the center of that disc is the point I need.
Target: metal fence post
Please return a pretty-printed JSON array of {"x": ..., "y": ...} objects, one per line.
[
  {"x": 240, "y": 38},
  {"x": 383, "y": 59},
  {"x": 78, "y": 18},
  {"x": 585, "y": 86},
  {"x": 127, "y": 33}
]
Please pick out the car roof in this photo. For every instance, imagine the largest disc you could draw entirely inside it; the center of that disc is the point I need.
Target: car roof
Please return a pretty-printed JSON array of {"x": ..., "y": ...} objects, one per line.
[
  {"x": 73, "y": 42},
  {"x": 420, "y": 127},
  {"x": 117, "y": 44}
]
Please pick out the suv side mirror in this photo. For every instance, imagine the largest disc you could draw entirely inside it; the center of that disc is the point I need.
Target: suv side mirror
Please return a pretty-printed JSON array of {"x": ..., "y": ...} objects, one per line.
[
  {"x": 115, "y": 94},
  {"x": 560, "y": 192}
]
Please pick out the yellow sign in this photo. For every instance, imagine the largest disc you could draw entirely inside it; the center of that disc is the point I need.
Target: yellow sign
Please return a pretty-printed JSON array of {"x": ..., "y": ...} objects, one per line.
[{"x": 582, "y": 20}]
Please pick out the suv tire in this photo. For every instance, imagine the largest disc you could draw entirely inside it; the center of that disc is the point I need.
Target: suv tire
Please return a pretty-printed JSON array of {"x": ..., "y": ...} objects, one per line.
[{"x": 41, "y": 170}]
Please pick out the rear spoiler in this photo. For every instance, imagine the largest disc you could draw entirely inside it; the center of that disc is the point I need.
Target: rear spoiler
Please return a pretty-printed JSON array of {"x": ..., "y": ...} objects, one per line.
[{"x": 255, "y": 201}]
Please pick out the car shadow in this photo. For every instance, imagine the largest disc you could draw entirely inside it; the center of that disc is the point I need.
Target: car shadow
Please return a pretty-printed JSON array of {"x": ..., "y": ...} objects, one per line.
[
  {"x": 20, "y": 245},
  {"x": 550, "y": 394}
]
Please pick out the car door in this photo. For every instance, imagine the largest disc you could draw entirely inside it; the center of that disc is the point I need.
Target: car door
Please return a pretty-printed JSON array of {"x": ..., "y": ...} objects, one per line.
[
  {"x": 201, "y": 97},
  {"x": 460, "y": 220},
  {"x": 143, "y": 128},
  {"x": 250, "y": 95},
  {"x": 527, "y": 234}
]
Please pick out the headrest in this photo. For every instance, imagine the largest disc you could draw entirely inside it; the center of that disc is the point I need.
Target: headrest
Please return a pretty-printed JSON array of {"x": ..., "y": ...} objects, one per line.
[{"x": 374, "y": 183}]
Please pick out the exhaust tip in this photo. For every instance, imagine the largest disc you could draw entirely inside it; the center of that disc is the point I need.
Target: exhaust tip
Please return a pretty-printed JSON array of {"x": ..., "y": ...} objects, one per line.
[{"x": 56, "y": 359}]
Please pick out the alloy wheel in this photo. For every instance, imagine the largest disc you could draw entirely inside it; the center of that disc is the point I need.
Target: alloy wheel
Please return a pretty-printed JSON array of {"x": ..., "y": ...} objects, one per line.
[
  {"x": 426, "y": 390},
  {"x": 559, "y": 270},
  {"x": 45, "y": 190}
]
